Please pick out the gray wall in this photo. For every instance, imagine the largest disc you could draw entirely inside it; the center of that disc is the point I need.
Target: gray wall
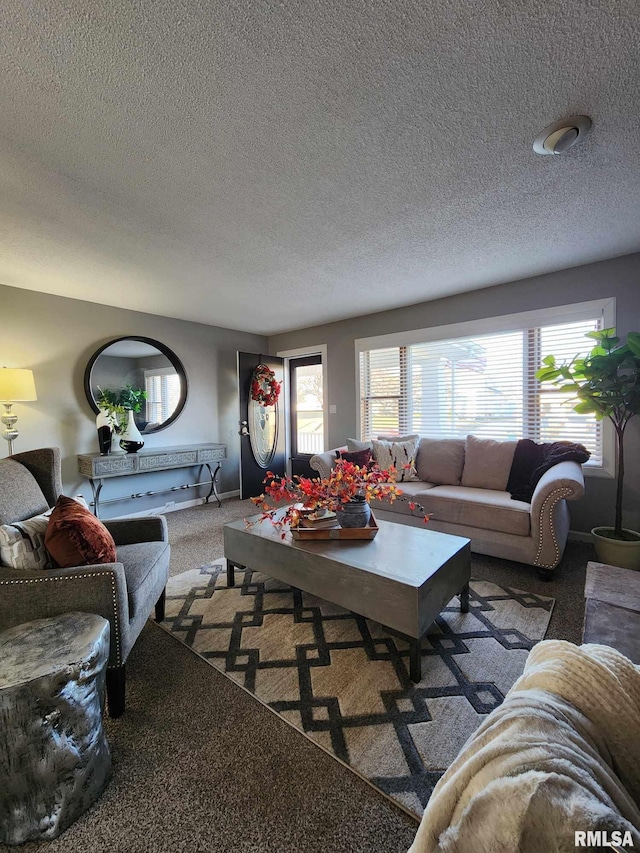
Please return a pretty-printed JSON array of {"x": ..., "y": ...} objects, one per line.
[
  {"x": 55, "y": 337},
  {"x": 619, "y": 277}
]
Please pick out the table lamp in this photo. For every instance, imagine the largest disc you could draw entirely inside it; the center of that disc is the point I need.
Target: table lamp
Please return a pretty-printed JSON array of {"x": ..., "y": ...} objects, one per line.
[{"x": 16, "y": 386}]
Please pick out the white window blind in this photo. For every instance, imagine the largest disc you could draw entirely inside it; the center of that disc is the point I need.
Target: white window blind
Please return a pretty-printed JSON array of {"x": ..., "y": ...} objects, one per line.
[
  {"x": 163, "y": 394},
  {"x": 481, "y": 384}
]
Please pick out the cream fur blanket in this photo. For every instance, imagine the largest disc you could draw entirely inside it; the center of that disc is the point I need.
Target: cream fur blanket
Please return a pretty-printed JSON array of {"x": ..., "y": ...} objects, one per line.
[{"x": 562, "y": 753}]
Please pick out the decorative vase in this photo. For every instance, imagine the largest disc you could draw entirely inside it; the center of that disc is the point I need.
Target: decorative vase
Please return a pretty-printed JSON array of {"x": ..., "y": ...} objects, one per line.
[
  {"x": 131, "y": 440},
  {"x": 103, "y": 425},
  {"x": 356, "y": 513},
  {"x": 115, "y": 441}
]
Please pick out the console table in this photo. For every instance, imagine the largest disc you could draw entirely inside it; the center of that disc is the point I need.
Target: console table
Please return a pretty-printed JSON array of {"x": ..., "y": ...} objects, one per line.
[{"x": 98, "y": 468}]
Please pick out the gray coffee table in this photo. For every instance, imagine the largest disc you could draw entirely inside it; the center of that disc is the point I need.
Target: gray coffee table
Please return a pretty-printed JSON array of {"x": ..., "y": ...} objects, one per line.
[{"x": 401, "y": 579}]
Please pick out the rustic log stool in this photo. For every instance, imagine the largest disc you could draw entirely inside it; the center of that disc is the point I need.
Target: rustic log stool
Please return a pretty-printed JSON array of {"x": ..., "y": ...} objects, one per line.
[{"x": 54, "y": 756}]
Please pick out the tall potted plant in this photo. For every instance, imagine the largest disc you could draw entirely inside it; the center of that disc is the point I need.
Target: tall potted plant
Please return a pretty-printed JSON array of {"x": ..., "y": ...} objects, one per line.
[{"x": 606, "y": 383}]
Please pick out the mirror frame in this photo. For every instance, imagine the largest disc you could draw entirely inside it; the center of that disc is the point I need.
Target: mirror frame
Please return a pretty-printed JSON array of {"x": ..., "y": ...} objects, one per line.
[{"x": 168, "y": 353}]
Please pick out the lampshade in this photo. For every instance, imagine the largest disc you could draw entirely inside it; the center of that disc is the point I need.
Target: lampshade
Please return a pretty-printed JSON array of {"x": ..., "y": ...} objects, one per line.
[{"x": 17, "y": 385}]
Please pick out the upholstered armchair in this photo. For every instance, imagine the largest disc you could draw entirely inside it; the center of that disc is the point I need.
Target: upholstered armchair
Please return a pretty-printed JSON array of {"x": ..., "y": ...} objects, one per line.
[{"x": 123, "y": 592}]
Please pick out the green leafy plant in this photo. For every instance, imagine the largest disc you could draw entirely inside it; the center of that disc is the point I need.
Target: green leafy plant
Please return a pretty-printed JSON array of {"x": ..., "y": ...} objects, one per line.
[
  {"x": 606, "y": 383},
  {"x": 117, "y": 403}
]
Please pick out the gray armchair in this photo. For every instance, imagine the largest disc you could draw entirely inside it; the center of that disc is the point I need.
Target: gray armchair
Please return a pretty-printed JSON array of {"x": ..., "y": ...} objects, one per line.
[{"x": 123, "y": 592}]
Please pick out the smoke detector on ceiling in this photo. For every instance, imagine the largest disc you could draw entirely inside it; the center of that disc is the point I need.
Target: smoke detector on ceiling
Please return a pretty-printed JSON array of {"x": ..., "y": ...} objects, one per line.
[{"x": 562, "y": 135}]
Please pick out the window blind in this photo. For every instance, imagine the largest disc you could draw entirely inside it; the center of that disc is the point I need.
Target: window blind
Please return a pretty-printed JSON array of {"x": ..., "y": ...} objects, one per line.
[
  {"x": 482, "y": 384},
  {"x": 163, "y": 394}
]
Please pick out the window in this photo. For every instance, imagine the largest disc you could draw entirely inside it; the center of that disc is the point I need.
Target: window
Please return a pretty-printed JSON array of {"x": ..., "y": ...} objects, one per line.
[
  {"x": 163, "y": 394},
  {"x": 307, "y": 412},
  {"x": 481, "y": 383}
]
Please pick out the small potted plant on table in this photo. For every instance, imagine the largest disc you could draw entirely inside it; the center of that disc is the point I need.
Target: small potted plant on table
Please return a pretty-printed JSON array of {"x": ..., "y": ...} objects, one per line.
[
  {"x": 119, "y": 407},
  {"x": 347, "y": 492},
  {"x": 606, "y": 383}
]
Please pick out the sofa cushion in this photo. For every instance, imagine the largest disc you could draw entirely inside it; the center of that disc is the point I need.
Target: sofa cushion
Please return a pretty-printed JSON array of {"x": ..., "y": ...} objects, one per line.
[
  {"x": 75, "y": 537},
  {"x": 412, "y": 490},
  {"x": 488, "y": 509},
  {"x": 22, "y": 544},
  {"x": 400, "y": 455},
  {"x": 140, "y": 560},
  {"x": 414, "y": 437},
  {"x": 441, "y": 460},
  {"x": 354, "y": 445},
  {"x": 487, "y": 463}
]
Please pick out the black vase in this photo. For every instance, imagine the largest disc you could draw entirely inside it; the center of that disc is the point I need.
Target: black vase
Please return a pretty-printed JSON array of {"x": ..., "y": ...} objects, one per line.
[{"x": 104, "y": 433}]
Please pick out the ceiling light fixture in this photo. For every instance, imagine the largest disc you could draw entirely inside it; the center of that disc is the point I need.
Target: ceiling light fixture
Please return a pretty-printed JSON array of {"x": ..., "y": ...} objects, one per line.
[{"x": 562, "y": 135}]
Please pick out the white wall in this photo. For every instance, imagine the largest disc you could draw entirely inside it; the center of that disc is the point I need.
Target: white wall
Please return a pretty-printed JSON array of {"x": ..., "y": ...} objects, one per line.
[
  {"x": 619, "y": 277},
  {"x": 55, "y": 337}
]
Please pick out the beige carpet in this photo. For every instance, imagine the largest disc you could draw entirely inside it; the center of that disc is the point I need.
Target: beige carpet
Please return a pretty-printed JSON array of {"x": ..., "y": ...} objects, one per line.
[
  {"x": 343, "y": 680},
  {"x": 196, "y": 533},
  {"x": 200, "y": 767}
]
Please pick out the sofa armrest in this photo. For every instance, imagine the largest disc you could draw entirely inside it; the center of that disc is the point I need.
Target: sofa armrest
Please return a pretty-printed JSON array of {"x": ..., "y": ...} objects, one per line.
[
  {"x": 100, "y": 589},
  {"x": 127, "y": 531},
  {"x": 549, "y": 514},
  {"x": 324, "y": 463}
]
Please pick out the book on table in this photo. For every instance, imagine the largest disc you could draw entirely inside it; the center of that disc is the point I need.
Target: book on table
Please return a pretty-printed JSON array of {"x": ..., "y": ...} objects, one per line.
[{"x": 319, "y": 522}]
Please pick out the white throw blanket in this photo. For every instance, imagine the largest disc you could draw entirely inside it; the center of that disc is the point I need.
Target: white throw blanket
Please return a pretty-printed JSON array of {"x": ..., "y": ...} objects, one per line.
[{"x": 561, "y": 754}]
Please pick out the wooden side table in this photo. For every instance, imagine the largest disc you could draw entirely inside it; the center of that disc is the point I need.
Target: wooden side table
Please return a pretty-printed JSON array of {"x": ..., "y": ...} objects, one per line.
[
  {"x": 612, "y": 613},
  {"x": 54, "y": 756}
]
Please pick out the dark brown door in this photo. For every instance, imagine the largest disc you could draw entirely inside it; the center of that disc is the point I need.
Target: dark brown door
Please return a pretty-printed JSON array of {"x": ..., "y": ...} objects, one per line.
[{"x": 262, "y": 429}]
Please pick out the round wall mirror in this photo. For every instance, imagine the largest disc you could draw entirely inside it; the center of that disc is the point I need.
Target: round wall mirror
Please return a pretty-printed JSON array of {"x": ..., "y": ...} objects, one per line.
[{"x": 145, "y": 373}]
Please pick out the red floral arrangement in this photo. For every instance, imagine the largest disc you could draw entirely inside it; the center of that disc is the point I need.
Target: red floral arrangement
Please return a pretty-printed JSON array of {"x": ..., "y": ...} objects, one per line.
[
  {"x": 264, "y": 387},
  {"x": 347, "y": 482}
]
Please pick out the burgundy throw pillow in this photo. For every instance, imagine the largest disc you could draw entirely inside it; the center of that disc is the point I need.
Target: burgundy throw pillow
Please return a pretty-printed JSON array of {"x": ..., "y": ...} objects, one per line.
[
  {"x": 75, "y": 537},
  {"x": 361, "y": 458}
]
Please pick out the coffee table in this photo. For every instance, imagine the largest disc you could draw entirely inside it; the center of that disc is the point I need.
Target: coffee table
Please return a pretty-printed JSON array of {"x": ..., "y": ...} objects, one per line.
[{"x": 401, "y": 579}]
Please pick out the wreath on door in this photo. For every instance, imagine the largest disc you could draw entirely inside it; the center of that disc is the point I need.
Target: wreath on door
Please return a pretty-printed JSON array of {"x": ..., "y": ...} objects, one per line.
[{"x": 265, "y": 389}]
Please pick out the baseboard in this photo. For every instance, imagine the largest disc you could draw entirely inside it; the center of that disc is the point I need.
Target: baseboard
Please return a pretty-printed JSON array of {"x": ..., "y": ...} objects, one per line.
[
  {"x": 235, "y": 493},
  {"x": 174, "y": 506},
  {"x": 579, "y": 536}
]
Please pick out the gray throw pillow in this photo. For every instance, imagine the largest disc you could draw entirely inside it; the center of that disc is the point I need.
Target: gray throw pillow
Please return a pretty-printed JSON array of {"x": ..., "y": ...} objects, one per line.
[
  {"x": 414, "y": 437},
  {"x": 353, "y": 444},
  {"x": 440, "y": 460},
  {"x": 487, "y": 463}
]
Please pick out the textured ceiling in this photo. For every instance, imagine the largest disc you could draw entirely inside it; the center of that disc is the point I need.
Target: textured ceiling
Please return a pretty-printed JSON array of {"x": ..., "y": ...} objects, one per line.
[{"x": 272, "y": 165}]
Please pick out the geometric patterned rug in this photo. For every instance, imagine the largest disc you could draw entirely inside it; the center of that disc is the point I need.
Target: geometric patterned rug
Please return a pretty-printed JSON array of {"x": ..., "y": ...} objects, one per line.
[{"x": 344, "y": 681}]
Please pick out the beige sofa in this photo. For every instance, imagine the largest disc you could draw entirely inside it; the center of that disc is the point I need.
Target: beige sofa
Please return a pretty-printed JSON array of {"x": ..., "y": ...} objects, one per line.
[{"x": 462, "y": 484}]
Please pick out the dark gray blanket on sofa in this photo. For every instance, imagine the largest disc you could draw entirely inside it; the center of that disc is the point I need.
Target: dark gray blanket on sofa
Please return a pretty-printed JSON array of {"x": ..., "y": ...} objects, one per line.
[{"x": 531, "y": 460}]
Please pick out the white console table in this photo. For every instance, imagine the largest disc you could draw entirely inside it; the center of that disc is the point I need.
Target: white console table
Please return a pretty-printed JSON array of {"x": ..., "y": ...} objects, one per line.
[{"x": 98, "y": 468}]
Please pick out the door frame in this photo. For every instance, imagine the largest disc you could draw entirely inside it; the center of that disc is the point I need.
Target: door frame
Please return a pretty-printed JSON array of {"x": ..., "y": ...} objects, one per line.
[{"x": 288, "y": 354}]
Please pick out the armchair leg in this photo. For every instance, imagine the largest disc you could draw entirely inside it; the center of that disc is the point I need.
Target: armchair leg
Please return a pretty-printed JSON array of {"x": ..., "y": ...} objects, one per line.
[
  {"x": 115, "y": 691},
  {"x": 160, "y": 605}
]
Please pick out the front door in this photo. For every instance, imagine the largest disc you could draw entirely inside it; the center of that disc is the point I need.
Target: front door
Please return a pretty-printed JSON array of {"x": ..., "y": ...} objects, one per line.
[
  {"x": 262, "y": 427},
  {"x": 306, "y": 413}
]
